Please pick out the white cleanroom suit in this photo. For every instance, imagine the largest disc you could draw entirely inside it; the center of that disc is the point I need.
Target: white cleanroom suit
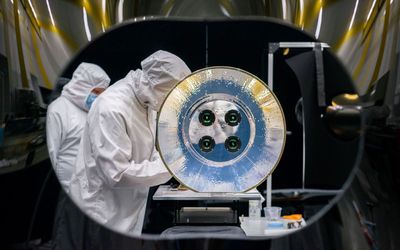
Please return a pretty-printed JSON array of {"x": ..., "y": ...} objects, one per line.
[
  {"x": 117, "y": 161},
  {"x": 66, "y": 117}
]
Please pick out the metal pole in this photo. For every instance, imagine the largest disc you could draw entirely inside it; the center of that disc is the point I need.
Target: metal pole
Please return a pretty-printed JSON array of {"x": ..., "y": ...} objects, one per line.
[{"x": 271, "y": 85}]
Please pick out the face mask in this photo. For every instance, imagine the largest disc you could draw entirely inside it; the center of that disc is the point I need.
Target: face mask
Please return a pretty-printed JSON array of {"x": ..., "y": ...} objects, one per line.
[{"x": 89, "y": 100}]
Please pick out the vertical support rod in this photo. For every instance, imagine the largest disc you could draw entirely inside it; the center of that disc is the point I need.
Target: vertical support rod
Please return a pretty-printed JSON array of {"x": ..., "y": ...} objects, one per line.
[
  {"x": 271, "y": 70},
  {"x": 269, "y": 190},
  {"x": 271, "y": 85}
]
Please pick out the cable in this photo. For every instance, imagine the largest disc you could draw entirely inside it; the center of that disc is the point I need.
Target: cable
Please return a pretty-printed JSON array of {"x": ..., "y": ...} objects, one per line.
[{"x": 35, "y": 210}]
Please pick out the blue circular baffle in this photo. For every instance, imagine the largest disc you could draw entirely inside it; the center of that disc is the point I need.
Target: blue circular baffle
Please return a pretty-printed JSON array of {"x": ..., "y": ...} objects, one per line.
[{"x": 221, "y": 130}]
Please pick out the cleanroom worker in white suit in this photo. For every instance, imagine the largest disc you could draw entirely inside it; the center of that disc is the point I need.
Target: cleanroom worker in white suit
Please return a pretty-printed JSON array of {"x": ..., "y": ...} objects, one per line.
[
  {"x": 66, "y": 117},
  {"x": 117, "y": 160}
]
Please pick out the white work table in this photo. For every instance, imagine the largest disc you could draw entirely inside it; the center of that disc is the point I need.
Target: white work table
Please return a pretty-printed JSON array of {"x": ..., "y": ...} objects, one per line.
[
  {"x": 165, "y": 192},
  {"x": 251, "y": 227}
]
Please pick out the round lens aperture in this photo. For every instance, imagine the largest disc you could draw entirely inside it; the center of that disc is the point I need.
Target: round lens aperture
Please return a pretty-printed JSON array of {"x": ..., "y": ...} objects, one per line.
[
  {"x": 195, "y": 161},
  {"x": 232, "y": 143},
  {"x": 206, "y": 117},
  {"x": 206, "y": 143},
  {"x": 232, "y": 117}
]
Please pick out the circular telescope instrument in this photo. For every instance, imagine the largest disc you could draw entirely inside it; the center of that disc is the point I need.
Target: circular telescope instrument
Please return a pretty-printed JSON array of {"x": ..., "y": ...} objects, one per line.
[{"x": 221, "y": 130}]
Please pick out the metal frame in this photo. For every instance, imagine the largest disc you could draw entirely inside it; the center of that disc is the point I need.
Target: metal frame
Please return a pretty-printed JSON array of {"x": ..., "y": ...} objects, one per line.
[{"x": 272, "y": 48}]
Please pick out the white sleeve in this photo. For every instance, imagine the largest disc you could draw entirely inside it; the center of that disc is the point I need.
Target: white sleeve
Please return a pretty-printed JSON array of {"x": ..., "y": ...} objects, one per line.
[
  {"x": 112, "y": 151},
  {"x": 53, "y": 136}
]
